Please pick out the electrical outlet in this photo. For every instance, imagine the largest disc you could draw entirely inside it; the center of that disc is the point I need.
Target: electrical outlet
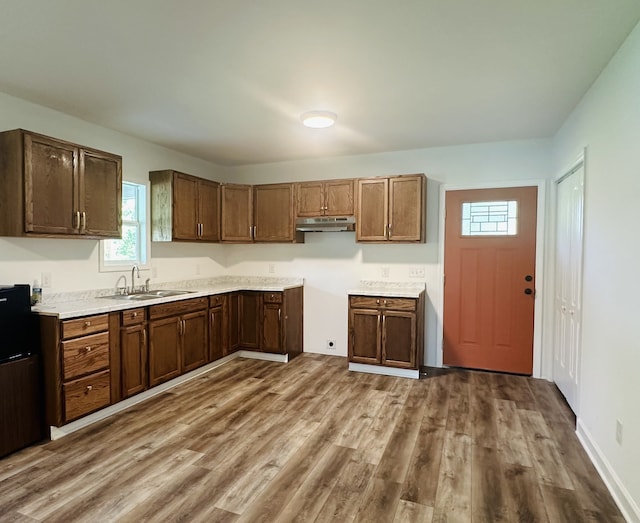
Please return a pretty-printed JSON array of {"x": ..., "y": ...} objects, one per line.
[
  {"x": 45, "y": 280},
  {"x": 331, "y": 344},
  {"x": 272, "y": 268},
  {"x": 384, "y": 272},
  {"x": 416, "y": 272},
  {"x": 619, "y": 432}
]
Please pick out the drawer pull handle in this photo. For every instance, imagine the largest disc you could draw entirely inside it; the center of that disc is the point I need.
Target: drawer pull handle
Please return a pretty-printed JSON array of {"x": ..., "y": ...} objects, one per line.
[
  {"x": 87, "y": 324},
  {"x": 89, "y": 388},
  {"x": 135, "y": 314},
  {"x": 385, "y": 302},
  {"x": 377, "y": 302},
  {"x": 88, "y": 349}
]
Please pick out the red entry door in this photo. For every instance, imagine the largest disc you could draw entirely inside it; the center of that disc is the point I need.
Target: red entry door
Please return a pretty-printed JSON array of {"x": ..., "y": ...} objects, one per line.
[{"x": 489, "y": 287}]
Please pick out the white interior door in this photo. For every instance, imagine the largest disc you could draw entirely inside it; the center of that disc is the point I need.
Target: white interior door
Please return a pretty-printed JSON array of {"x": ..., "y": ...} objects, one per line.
[{"x": 568, "y": 289}]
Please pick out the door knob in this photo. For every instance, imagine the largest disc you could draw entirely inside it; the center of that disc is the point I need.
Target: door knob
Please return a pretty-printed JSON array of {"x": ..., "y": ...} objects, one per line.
[
  {"x": 528, "y": 291},
  {"x": 528, "y": 277}
]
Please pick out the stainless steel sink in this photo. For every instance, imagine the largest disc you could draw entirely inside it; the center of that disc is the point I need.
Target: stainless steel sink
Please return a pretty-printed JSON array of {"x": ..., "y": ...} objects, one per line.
[{"x": 149, "y": 295}]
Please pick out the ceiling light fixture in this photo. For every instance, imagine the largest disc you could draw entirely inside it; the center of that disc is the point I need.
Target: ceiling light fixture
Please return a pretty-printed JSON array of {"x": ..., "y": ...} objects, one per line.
[{"x": 318, "y": 119}]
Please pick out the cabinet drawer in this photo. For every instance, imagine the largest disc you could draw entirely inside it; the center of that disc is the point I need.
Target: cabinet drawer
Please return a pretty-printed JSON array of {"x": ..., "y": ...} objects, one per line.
[
  {"x": 216, "y": 301},
  {"x": 272, "y": 297},
  {"x": 85, "y": 355},
  {"x": 373, "y": 302},
  {"x": 133, "y": 316},
  {"x": 176, "y": 308},
  {"x": 84, "y": 326},
  {"x": 86, "y": 395}
]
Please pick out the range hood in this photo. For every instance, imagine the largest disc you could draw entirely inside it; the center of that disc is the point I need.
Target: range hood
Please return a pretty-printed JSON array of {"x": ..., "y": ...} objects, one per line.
[{"x": 326, "y": 224}]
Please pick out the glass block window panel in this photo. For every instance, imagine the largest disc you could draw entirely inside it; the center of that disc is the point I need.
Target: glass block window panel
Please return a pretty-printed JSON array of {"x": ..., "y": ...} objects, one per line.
[{"x": 490, "y": 218}]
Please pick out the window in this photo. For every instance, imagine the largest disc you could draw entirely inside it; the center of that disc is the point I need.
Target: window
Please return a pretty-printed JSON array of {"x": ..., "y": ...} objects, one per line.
[
  {"x": 115, "y": 255},
  {"x": 490, "y": 218}
]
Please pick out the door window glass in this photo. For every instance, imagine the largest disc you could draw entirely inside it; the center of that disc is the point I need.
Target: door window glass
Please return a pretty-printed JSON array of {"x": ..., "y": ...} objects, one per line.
[{"x": 490, "y": 218}]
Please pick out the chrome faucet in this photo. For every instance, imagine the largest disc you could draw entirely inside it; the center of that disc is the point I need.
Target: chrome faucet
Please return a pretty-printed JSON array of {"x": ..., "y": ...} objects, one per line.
[
  {"x": 121, "y": 290},
  {"x": 133, "y": 281}
]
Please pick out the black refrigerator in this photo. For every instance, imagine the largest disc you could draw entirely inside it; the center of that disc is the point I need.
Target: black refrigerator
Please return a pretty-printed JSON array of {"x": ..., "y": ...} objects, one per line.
[{"x": 21, "y": 400}]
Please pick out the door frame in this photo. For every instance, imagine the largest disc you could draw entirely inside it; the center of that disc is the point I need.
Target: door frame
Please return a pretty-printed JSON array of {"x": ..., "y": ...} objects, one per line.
[{"x": 540, "y": 305}]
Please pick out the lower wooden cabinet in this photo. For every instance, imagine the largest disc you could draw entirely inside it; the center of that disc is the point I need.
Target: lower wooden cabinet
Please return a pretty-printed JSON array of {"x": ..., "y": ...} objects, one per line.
[
  {"x": 386, "y": 331},
  {"x": 218, "y": 327},
  {"x": 178, "y": 338},
  {"x": 267, "y": 321},
  {"x": 86, "y": 394},
  {"x": 133, "y": 352}
]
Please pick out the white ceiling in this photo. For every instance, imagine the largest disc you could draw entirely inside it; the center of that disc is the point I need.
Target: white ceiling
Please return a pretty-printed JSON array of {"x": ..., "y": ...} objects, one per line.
[{"x": 227, "y": 80}]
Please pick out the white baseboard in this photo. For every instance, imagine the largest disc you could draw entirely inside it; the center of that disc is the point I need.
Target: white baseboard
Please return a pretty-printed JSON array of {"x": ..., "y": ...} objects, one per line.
[
  {"x": 386, "y": 371},
  {"x": 65, "y": 430},
  {"x": 620, "y": 494}
]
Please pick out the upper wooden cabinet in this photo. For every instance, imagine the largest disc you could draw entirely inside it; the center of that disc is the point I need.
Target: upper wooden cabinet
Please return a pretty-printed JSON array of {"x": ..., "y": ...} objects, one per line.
[
  {"x": 326, "y": 198},
  {"x": 391, "y": 209},
  {"x": 50, "y": 187},
  {"x": 237, "y": 213},
  {"x": 184, "y": 207},
  {"x": 259, "y": 213}
]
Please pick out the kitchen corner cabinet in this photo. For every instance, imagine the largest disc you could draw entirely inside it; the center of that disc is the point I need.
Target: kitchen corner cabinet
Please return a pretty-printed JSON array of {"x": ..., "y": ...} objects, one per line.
[
  {"x": 178, "y": 338},
  {"x": 386, "y": 331},
  {"x": 325, "y": 198},
  {"x": 259, "y": 213},
  {"x": 267, "y": 321},
  {"x": 76, "y": 359},
  {"x": 51, "y": 187},
  {"x": 391, "y": 209},
  {"x": 133, "y": 352},
  {"x": 184, "y": 207}
]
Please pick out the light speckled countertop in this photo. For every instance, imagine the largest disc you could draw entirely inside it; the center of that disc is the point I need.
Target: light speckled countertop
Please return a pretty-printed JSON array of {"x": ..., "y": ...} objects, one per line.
[
  {"x": 84, "y": 303},
  {"x": 388, "y": 289}
]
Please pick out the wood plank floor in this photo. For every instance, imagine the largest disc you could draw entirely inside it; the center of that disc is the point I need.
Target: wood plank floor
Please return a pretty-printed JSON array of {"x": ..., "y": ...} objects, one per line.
[{"x": 309, "y": 441}]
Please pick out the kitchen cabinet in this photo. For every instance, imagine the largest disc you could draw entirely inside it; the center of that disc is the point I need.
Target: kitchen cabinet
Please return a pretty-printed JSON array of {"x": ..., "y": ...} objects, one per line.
[
  {"x": 184, "y": 207},
  {"x": 51, "y": 187},
  {"x": 325, "y": 198},
  {"x": 259, "y": 213},
  {"x": 134, "y": 352},
  {"x": 269, "y": 321},
  {"x": 218, "y": 327},
  {"x": 237, "y": 213},
  {"x": 76, "y": 359},
  {"x": 386, "y": 331},
  {"x": 178, "y": 339},
  {"x": 391, "y": 209}
]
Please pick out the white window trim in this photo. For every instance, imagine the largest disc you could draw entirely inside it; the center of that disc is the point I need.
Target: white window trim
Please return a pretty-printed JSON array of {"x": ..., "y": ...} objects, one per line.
[{"x": 125, "y": 266}]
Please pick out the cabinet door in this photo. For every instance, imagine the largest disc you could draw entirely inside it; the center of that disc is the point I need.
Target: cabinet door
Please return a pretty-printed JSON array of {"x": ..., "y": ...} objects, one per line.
[
  {"x": 272, "y": 328},
  {"x": 209, "y": 210},
  {"x": 372, "y": 209},
  {"x": 133, "y": 359},
  {"x": 100, "y": 194},
  {"x": 406, "y": 209},
  {"x": 164, "y": 350},
  {"x": 234, "y": 324},
  {"x": 249, "y": 320},
  {"x": 51, "y": 186},
  {"x": 185, "y": 207},
  {"x": 236, "y": 213},
  {"x": 217, "y": 345},
  {"x": 273, "y": 213},
  {"x": 194, "y": 340},
  {"x": 338, "y": 198},
  {"x": 399, "y": 339},
  {"x": 365, "y": 336},
  {"x": 310, "y": 199}
]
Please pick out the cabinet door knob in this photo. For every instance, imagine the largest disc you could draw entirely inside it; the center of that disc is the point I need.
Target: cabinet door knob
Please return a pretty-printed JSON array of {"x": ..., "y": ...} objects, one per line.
[{"x": 377, "y": 302}]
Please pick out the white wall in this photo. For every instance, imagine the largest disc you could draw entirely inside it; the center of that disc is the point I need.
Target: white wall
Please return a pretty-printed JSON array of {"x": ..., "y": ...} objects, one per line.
[
  {"x": 607, "y": 122},
  {"x": 73, "y": 263},
  {"x": 333, "y": 263}
]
